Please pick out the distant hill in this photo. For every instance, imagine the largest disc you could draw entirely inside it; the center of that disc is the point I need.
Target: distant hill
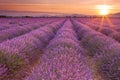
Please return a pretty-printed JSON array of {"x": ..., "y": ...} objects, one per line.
[
  {"x": 46, "y": 14},
  {"x": 35, "y": 14},
  {"x": 115, "y": 15}
]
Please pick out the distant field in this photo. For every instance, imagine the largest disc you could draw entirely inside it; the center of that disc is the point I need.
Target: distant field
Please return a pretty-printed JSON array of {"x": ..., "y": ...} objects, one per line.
[{"x": 60, "y": 48}]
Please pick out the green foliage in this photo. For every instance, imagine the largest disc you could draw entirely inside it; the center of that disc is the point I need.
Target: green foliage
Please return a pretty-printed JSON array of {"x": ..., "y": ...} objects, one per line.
[
  {"x": 13, "y": 62},
  {"x": 108, "y": 67}
]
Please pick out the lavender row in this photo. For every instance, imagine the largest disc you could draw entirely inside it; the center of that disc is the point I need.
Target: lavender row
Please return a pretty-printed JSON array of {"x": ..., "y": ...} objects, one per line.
[
  {"x": 42, "y": 34},
  {"x": 17, "y": 31},
  {"x": 108, "y": 31},
  {"x": 99, "y": 23},
  {"x": 16, "y": 53},
  {"x": 63, "y": 59},
  {"x": 115, "y": 36},
  {"x": 7, "y": 23},
  {"x": 104, "y": 51}
]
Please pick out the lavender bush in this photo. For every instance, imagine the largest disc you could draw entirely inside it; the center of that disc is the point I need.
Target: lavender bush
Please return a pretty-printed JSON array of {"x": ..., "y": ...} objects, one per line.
[
  {"x": 27, "y": 47},
  {"x": 62, "y": 61},
  {"x": 105, "y": 53}
]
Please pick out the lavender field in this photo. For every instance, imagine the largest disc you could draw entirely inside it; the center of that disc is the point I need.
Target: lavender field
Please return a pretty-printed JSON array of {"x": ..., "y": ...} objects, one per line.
[{"x": 60, "y": 48}]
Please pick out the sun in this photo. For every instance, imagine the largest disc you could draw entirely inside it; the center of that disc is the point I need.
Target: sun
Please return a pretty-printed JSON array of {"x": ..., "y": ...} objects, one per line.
[
  {"x": 104, "y": 9},
  {"x": 104, "y": 12}
]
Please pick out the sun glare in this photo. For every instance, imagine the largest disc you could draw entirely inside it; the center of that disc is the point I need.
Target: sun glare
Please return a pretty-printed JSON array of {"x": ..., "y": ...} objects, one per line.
[{"x": 104, "y": 9}]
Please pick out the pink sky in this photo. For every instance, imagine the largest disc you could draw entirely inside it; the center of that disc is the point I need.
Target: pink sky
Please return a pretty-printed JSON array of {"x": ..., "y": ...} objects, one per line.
[{"x": 62, "y": 6}]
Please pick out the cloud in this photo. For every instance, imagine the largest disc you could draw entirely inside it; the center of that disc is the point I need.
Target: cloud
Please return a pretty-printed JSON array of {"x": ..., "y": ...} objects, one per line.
[
  {"x": 78, "y": 6},
  {"x": 54, "y": 1},
  {"x": 74, "y": 2}
]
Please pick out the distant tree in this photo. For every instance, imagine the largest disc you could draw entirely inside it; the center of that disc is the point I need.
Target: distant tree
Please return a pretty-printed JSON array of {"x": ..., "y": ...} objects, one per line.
[{"x": 3, "y": 16}]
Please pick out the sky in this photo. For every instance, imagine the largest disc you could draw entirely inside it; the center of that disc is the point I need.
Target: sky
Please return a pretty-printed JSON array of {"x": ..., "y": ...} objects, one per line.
[{"x": 59, "y": 6}]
